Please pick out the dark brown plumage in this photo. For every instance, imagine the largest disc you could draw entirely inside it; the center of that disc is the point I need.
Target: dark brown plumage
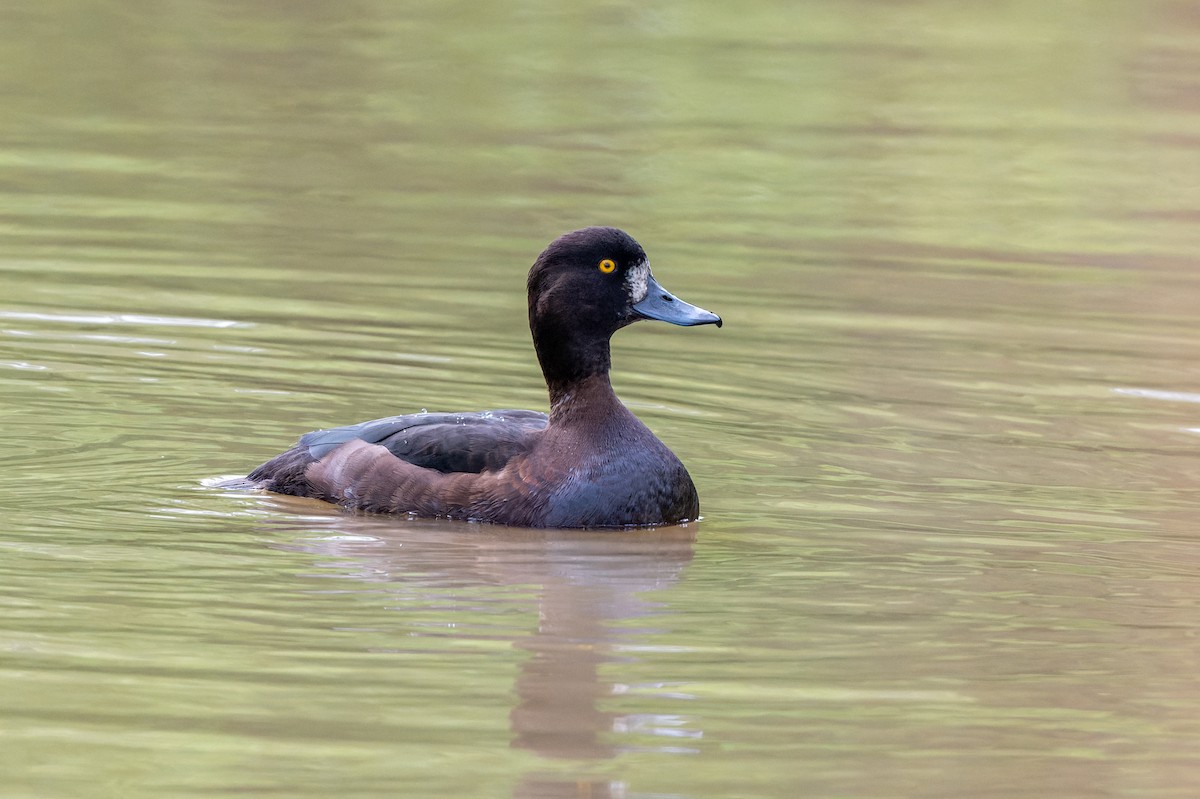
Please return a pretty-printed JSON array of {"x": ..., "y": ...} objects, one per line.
[{"x": 589, "y": 463}]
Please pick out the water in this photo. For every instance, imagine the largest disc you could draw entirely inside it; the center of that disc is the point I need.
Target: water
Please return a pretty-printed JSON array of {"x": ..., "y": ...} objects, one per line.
[{"x": 946, "y": 443}]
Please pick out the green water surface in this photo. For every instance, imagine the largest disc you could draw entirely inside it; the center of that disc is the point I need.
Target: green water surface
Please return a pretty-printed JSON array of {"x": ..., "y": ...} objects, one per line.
[{"x": 947, "y": 443}]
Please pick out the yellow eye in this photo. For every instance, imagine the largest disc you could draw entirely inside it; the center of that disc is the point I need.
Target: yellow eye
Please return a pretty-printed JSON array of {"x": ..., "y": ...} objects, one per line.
[{"x": 608, "y": 266}]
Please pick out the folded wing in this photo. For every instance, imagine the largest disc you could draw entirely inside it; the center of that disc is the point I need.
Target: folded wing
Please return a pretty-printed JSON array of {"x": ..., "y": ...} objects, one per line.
[{"x": 447, "y": 442}]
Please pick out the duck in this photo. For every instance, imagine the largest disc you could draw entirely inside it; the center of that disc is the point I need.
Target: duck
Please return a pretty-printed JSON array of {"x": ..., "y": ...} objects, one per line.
[{"x": 588, "y": 463}]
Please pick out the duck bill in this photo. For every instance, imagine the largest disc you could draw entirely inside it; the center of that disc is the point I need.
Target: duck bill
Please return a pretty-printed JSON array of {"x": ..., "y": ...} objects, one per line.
[{"x": 664, "y": 306}]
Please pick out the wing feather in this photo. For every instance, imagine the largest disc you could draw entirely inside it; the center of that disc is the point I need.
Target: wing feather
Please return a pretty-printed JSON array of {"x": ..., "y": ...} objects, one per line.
[{"x": 446, "y": 442}]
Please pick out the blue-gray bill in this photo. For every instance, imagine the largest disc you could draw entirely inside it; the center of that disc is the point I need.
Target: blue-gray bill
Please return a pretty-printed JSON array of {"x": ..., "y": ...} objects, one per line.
[{"x": 664, "y": 306}]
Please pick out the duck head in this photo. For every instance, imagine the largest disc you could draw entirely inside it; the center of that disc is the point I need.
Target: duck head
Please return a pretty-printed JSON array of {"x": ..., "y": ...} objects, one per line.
[{"x": 587, "y": 285}]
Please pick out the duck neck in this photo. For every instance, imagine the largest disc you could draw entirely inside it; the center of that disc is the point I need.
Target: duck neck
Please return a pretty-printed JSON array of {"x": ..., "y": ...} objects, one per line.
[
  {"x": 575, "y": 367},
  {"x": 588, "y": 396}
]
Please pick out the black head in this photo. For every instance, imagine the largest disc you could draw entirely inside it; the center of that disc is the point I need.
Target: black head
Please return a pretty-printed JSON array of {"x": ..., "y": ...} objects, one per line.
[{"x": 587, "y": 285}]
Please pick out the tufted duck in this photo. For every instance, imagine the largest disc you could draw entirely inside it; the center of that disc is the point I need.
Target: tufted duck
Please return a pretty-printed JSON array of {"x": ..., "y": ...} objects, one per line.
[{"x": 590, "y": 463}]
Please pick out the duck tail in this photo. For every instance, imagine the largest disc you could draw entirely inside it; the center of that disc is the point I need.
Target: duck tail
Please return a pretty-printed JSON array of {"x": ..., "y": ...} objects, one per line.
[{"x": 285, "y": 473}]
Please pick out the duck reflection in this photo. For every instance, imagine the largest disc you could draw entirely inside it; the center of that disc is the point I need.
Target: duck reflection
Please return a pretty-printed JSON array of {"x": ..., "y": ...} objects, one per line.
[{"x": 586, "y": 584}]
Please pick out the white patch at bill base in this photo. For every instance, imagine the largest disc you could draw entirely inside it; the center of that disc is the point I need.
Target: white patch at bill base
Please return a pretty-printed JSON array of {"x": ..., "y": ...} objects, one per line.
[{"x": 637, "y": 282}]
